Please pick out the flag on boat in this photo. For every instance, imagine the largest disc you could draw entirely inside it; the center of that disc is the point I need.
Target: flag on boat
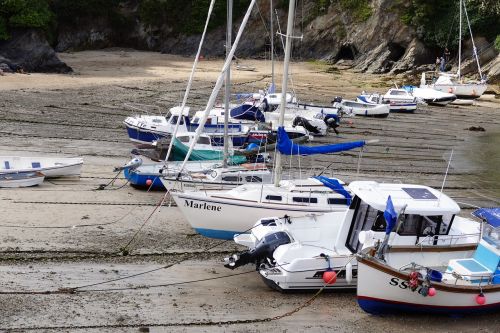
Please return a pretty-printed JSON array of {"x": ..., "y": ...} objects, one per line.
[
  {"x": 390, "y": 216},
  {"x": 287, "y": 147},
  {"x": 272, "y": 89}
]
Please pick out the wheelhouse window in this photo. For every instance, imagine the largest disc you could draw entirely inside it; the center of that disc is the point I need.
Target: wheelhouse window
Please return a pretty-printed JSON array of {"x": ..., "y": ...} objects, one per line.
[
  {"x": 274, "y": 197},
  {"x": 418, "y": 225},
  {"x": 305, "y": 199},
  {"x": 183, "y": 138},
  {"x": 173, "y": 120},
  {"x": 364, "y": 218}
]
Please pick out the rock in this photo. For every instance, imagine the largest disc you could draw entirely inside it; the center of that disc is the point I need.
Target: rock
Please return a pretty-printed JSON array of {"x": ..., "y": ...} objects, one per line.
[
  {"x": 415, "y": 56},
  {"x": 29, "y": 50}
]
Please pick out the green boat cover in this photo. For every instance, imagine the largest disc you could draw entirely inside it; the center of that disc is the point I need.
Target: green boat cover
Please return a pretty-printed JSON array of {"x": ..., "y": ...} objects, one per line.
[{"x": 180, "y": 150}]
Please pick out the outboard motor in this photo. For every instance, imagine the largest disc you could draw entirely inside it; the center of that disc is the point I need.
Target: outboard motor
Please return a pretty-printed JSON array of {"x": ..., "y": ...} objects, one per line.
[
  {"x": 263, "y": 250},
  {"x": 131, "y": 165},
  {"x": 337, "y": 99}
]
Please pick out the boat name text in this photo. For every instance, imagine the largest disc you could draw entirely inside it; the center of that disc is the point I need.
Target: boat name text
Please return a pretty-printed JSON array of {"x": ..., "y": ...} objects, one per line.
[{"x": 205, "y": 206}]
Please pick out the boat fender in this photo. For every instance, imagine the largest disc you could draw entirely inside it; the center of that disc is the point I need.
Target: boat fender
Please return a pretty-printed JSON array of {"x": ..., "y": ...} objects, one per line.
[
  {"x": 348, "y": 272},
  {"x": 413, "y": 280},
  {"x": 480, "y": 299},
  {"x": 450, "y": 90}
]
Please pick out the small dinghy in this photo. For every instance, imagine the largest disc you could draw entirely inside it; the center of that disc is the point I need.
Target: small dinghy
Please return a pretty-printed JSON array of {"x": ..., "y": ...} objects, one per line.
[
  {"x": 362, "y": 108},
  {"x": 431, "y": 96},
  {"x": 51, "y": 167},
  {"x": 21, "y": 179}
]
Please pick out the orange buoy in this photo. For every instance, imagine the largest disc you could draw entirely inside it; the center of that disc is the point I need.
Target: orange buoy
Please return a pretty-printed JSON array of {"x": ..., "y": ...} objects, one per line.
[
  {"x": 149, "y": 182},
  {"x": 329, "y": 277},
  {"x": 480, "y": 299}
]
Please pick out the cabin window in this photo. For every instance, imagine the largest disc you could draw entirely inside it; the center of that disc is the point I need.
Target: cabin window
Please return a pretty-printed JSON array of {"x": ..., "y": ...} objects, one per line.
[
  {"x": 396, "y": 92},
  {"x": 231, "y": 179},
  {"x": 274, "y": 197},
  {"x": 7, "y": 165},
  {"x": 203, "y": 140},
  {"x": 305, "y": 199},
  {"x": 253, "y": 179},
  {"x": 35, "y": 164},
  {"x": 196, "y": 120},
  {"x": 418, "y": 225},
  {"x": 156, "y": 120},
  {"x": 337, "y": 201},
  {"x": 173, "y": 120},
  {"x": 183, "y": 139}
]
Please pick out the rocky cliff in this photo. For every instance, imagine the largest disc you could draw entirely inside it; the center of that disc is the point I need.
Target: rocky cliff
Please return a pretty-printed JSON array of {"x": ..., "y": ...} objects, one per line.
[{"x": 370, "y": 39}]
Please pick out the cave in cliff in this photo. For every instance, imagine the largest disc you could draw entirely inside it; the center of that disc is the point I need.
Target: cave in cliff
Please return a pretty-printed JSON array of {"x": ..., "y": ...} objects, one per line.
[{"x": 346, "y": 52}]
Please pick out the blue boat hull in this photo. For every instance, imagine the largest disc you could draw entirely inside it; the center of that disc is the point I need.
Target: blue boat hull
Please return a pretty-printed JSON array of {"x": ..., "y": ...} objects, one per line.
[
  {"x": 378, "y": 306},
  {"x": 140, "y": 181},
  {"x": 218, "y": 234}
]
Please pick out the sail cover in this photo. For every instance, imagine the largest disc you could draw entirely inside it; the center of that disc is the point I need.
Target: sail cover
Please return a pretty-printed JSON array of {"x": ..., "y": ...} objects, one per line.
[
  {"x": 334, "y": 185},
  {"x": 248, "y": 112},
  {"x": 287, "y": 147},
  {"x": 180, "y": 150},
  {"x": 491, "y": 215}
]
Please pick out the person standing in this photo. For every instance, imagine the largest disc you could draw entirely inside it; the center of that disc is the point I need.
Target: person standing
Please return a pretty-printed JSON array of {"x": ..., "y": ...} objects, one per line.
[
  {"x": 438, "y": 62},
  {"x": 441, "y": 67}
]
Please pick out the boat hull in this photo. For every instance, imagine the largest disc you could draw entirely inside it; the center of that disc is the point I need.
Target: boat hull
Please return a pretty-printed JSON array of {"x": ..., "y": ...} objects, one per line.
[
  {"x": 50, "y": 167},
  {"x": 22, "y": 179},
  {"x": 384, "y": 292},
  {"x": 208, "y": 215},
  {"x": 462, "y": 91}
]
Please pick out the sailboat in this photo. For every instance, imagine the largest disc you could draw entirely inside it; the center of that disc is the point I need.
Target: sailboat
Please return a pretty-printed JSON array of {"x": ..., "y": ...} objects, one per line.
[
  {"x": 222, "y": 214},
  {"x": 454, "y": 83}
]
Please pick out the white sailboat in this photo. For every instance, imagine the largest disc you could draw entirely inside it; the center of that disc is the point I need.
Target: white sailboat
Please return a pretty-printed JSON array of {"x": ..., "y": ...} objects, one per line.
[{"x": 454, "y": 83}]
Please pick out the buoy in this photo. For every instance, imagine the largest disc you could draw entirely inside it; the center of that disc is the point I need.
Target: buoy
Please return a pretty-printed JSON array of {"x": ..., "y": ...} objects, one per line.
[
  {"x": 330, "y": 277},
  {"x": 480, "y": 299},
  {"x": 149, "y": 182},
  {"x": 473, "y": 92},
  {"x": 431, "y": 292},
  {"x": 450, "y": 90}
]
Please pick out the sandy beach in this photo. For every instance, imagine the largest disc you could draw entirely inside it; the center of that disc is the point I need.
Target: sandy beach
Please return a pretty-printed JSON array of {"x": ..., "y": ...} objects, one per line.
[{"x": 66, "y": 233}]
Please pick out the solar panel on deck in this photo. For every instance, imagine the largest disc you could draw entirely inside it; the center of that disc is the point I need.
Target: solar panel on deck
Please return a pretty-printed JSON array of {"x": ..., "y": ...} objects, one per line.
[{"x": 419, "y": 193}]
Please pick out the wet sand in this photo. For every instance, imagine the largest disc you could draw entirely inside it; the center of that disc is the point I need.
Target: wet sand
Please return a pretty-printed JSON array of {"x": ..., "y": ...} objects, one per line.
[{"x": 66, "y": 234}]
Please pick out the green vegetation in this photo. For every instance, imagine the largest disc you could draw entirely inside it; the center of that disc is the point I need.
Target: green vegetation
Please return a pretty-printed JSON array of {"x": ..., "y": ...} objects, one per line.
[
  {"x": 436, "y": 21},
  {"x": 24, "y": 14},
  {"x": 497, "y": 43},
  {"x": 359, "y": 9}
]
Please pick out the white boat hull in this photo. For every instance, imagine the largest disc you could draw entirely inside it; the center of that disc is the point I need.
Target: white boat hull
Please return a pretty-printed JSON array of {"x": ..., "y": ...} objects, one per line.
[
  {"x": 208, "y": 215},
  {"x": 462, "y": 91},
  {"x": 18, "y": 180},
  {"x": 51, "y": 167}
]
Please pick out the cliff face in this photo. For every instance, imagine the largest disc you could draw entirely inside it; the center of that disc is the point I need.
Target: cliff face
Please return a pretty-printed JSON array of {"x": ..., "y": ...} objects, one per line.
[{"x": 378, "y": 42}]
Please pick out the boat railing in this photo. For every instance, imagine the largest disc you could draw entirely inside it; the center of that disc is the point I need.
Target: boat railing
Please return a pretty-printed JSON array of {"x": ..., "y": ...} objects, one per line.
[
  {"x": 446, "y": 240},
  {"x": 484, "y": 280}
]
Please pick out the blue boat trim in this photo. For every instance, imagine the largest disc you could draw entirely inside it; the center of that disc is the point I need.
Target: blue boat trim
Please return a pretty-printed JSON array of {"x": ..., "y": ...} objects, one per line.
[
  {"x": 219, "y": 234},
  {"x": 140, "y": 180},
  {"x": 382, "y": 306}
]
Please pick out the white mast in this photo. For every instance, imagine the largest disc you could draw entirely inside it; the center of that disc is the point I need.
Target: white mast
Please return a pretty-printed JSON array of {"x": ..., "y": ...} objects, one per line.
[
  {"x": 474, "y": 49},
  {"x": 271, "y": 32},
  {"x": 460, "y": 41},
  {"x": 288, "y": 47},
  {"x": 227, "y": 92},
  {"x": 190, "y": 82},
  {"x": 218, "y": 85}
]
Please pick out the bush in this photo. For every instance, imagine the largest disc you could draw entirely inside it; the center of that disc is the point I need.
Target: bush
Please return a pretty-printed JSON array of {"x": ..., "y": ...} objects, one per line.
[
  {"x": 497, "y": 43},
  {"x": 24, "y": 14},
  {"x": 359, "y": 9}
]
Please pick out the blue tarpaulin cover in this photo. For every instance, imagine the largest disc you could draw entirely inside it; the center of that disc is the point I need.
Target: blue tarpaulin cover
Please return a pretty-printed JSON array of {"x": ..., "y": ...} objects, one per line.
[
  {"x": 491, "y": 215},
  {"x": 287, "y": 147},
  {"x": 248, "y": 112},
  {"x": 390, "y": 216},
  {"x": 335, "y": 186}
]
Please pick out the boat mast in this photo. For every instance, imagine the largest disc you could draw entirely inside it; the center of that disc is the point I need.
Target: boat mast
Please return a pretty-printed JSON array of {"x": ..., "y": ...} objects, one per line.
[
  {"x": 460, "y": 41},
  {"x": 284, "y": 87},
  {"x": 227, "y": 93},
  {"x": 474, "y": 49},
  {"x": 218, "y": 85},
  {"x": 271, "y": 29}
]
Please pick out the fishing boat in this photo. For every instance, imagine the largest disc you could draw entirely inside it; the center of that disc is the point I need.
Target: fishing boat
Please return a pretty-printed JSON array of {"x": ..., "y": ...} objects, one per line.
[
  {"x": 431, "y": 96},
  {"x": 450, "y": 279},
  {"x": 21, "y": 179},
  {"x": 316, "y": 251},
  {"x": 454, "y": 83},
  {"x": 51, "y": 167},
  {"x": 361, "y": 108},
  {"x": 399, "y": 100}
]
